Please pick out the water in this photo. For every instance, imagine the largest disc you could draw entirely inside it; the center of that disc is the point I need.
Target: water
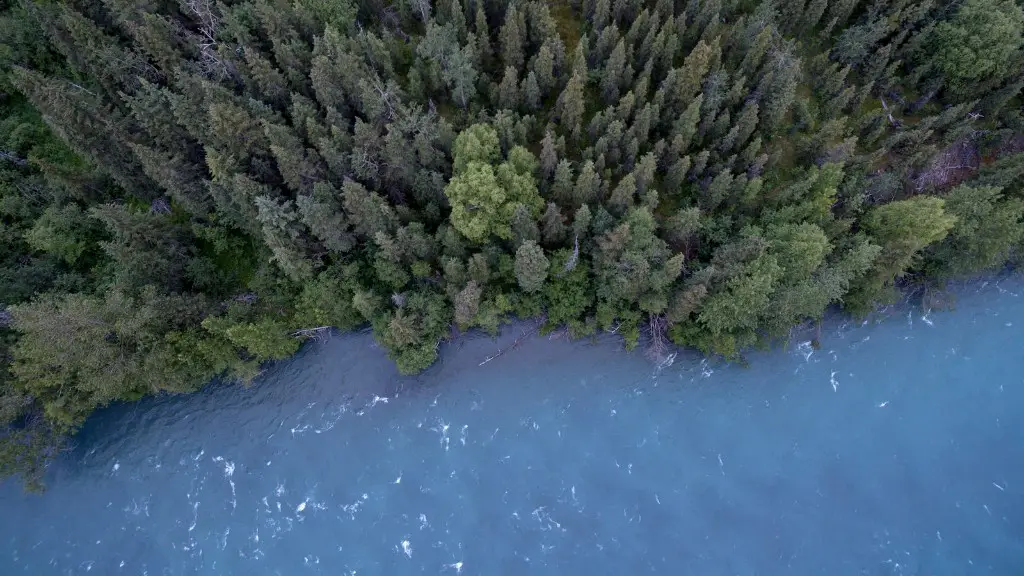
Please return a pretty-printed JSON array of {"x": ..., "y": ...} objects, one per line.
[{"x": 894, "y": 449}]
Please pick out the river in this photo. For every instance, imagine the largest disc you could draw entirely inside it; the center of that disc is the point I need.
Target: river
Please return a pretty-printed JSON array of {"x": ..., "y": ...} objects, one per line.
[{"x": 897, "y": 448}]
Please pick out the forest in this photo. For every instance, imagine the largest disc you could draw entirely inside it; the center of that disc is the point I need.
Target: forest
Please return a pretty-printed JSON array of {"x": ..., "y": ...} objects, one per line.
[{"x": 191, "y": 188}]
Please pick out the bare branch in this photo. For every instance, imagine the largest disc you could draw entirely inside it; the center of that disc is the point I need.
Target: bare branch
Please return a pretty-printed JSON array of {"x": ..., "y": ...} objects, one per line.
[
  {"x": 570, "y": 264},
  {"x": 949, "y": 167},
  {"x": 13, "y": 158},
  {"x": 895, "y": 123},
  {"x": 209, "y": 25}
]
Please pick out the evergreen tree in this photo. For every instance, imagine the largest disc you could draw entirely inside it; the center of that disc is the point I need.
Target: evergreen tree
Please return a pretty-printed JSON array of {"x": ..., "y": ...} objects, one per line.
[
  {"x": 571, "y": 106},
  {"x": 614, "y": 73},
  {"x": 483, "y": 48},
  {"x": 982, "y": 43},
  {"x": 562, "y": 187},
  {"x": 987, "y": 228},
  {"x": 531, "y": 266},
  {"x": 321, "y": 213},
  {"x": 508, "y": 91},
  {"x": 531, "y": 92},
  {"x": 685, "y": 127},
  {"x": 588, "y": 185},
  {"x": 553, "y": 225},
  {"x": 548, "y": 156},
  {"x": 622, "y": 196},
  {"x": 484, "y": 197},
  {"x": 902, "y": 229},
  {"x": 524, "y": 226},
  {"x": 543, "y": 66},
  {"x": 512, "y": 39}
]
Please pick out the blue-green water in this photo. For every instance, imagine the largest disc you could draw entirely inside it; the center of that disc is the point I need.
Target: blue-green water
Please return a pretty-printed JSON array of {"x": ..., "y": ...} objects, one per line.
[{"x": 894, "y": 449}]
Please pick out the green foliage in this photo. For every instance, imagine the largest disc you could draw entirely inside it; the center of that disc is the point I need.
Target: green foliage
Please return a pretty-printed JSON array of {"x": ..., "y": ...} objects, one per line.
[
  {"x": 78, "y": 352},
  {"x": 731, "y": 315},
  {"x": 980, "y": 45},
  {"x": 265, "y": 339},
  {"x": 411, "y": 332},
  {"x": 568, "y": 293},
  {"x": 327, "y": 301},
  {"x": 988, "y": 226},
  {"x": 902, "y": 229},
  {"x": 531, "y": 266},
  {"x": 483, "y": 197},
  {"x": 67, "y": 233}
]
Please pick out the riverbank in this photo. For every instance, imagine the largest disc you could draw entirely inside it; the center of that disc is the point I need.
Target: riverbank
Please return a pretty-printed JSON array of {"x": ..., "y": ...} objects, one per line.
[{"x": 889, "y": 450}]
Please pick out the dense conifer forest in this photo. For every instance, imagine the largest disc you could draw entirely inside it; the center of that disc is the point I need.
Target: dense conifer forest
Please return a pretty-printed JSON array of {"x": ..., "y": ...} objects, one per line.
[{"x": 189, "y": 188}]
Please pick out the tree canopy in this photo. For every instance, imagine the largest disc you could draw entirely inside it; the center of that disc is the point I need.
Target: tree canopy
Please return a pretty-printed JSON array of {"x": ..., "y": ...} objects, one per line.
[{"x": 189, "y": 190}]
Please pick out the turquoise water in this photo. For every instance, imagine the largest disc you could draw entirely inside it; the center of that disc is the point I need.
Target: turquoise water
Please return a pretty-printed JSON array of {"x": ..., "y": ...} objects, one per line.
[{"x": 896, "y": 448}]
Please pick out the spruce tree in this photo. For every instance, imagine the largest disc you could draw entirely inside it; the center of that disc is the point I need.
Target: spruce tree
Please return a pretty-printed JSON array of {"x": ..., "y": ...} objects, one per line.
[{"x": 512, "y": 38}]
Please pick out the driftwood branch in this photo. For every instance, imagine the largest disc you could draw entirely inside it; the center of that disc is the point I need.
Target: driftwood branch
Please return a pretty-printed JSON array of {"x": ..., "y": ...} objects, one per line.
[
  {"x": 526, "y": 334},
  {"x": 659, "y": 347},
  {"x": 315, "y": 333}
]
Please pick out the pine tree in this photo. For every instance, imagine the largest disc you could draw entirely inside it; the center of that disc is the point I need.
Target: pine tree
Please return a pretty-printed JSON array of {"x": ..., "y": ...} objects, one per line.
[
  {"x": 183, "y": 180},
  {"x": 531, "y": 266},
  {"x": 602, "y": 14},
  {"x": 778, "y": 88},
  {"x": 553, "y": 226},
  {"x": 562, "y": 186},
  {"x": 685, "y": 127},
  {"x": 93, "y": 53},
  {"x": 695, "y": 67},
  {"x": 369, "y": 212},
  {"x": 543, "y": 65},
  {"x": 508, "y": 90},
  {"x": 151, "y": 109},
  {"x": 902, "y": 229},
  {"x": 981, "y": 45},
  {"x": 588, "y": 185},
  {"x": 524, "y": 226},
  {"x": 614, "y": 71},
  {"x": 299, "y": 168},
  {"x": 321, "y": 213},
  {"x": 483, "y": 49},
  {"x": 676, "y": 175},
  {"x": 571, "y": 106},
  {"x": 263, "y": 80},
  {"x": 92, "y": 130},
  {"x": 581, "y": 223},
  {"x": 700, "y": 162},
  {"x": 548, "y": 156},
  {"x": 623, "y": 195},
  {"x": 755, "y": 54},
  {"x": 512, "y": 38},
  {"x": 813, "y": 13},
  {"x": 839, "y": 12},
  {"x": 745, "y": 125},
  {"x": 531, "y": 92},
  {"x": 283, "y": 234},
  {"x": 579, "y": 59}
]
